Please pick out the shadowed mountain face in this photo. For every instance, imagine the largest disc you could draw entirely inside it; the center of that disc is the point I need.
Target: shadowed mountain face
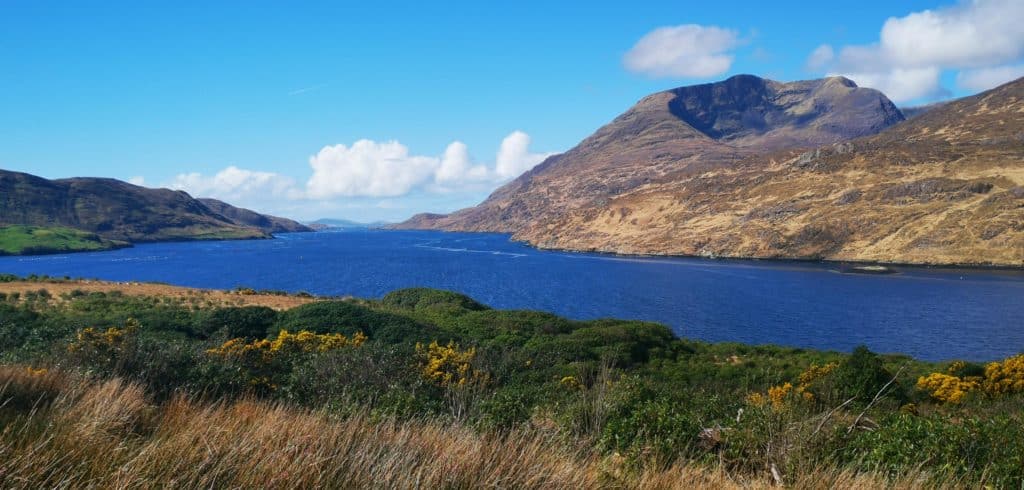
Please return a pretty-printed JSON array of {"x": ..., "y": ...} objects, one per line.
[
  {"x": 245, "y": 217},
  {"x": 120, "y": 211},
  {"x": 684, "y": 131}
]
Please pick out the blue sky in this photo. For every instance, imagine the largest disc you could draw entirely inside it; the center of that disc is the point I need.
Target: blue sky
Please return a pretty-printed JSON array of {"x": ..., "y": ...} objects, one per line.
[{"x": 314, "y": 109}]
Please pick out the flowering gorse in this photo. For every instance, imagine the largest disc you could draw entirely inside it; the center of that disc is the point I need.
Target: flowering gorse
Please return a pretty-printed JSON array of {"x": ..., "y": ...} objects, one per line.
[
  {"x": 264, "y": 359},
  {"x": 780, "y": 395},
  {"x": 946, "y": 387},
  {"x": 287, "y": 342},
  {"x": 1004, "y": 377},
  {"x": 1000, "y": 378},
  {"x": 448, "y": 365}
]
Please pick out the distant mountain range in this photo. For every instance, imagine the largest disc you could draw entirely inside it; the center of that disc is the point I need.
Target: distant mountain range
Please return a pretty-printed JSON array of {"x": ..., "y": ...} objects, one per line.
[
  {"x": 119, "y": 211},
  {"x": 749, "y": 167},
  {"x": 328, "y": 223}
]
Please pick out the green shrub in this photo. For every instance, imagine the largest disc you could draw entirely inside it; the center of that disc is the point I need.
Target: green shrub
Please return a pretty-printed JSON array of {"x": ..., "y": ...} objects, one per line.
[
  {"x": 990, "y": 451},
  {"x": 424, "y": 298},
  {"x": 348, "y": 318},
  {"x": 250, "y": 322}
]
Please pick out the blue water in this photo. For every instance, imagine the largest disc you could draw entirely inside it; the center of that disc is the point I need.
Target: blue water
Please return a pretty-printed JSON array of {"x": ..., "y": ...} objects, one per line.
[{"x": 934, "y": 314}]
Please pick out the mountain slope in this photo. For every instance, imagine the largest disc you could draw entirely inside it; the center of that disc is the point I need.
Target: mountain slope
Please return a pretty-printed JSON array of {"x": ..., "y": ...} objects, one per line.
[
  {"x": 684, "y": 131},
  {"x": 115, "y": 210},
  {"x": 246, "y": 217},
  {"x": 946, "y": 187}
]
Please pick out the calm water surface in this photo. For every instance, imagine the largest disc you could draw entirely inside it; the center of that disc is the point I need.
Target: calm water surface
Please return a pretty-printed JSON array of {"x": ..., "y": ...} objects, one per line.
[{"x": 934, "y": 314}]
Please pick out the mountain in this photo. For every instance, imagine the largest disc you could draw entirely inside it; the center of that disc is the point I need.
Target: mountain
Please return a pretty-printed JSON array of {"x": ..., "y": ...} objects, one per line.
[
  {"x": 946, "y": 187},
  {"x": 684, "y": 131},
  {"x": 117, "y": 210},
  {"x": 246, "y": 217}
]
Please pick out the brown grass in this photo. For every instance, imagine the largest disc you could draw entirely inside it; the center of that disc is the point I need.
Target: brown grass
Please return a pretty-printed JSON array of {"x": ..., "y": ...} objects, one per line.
[
  {"x": 107, "y": 434},
  {"x": 204, "y": 296}
]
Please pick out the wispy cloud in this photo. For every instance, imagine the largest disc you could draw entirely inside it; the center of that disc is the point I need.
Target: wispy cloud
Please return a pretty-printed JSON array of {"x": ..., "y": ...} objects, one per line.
[{"x": 305, "y": 90}]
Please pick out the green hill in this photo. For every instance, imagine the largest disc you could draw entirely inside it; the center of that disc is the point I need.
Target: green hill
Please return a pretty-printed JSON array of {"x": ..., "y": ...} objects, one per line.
[
  {"x": 31, "y": 240},
  {"x": 118, "y": 211}
]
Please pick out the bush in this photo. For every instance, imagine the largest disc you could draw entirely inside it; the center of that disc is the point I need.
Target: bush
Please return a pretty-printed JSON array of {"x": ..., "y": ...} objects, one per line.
[
  {"x": 862, "y": 376},
  {"x": 990, "y": 451},
  {"x": 417, "y": 299},
  {"x": 348, "y": 318},
  {"x": 239, "y": 322}
]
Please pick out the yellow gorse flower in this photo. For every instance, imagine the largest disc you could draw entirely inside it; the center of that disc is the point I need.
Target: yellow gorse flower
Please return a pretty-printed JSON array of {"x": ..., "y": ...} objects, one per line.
[
  {"x": 779, "y": 395},
  {"x": 1004, "y": 377},
  {"x": 287, "y": 342},
  {"x": 97, "y": 340},
  {"x": 946, "y": 388},
  {"x": 448, "y": 365}
]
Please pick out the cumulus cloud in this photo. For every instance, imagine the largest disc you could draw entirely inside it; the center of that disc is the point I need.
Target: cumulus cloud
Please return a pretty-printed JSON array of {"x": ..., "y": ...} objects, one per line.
[
  {"x": 986, "y": 78},
  {"x": 367, "y": 169},
  {"x": 973, "y": 37},
  {"x": 688, "y": 51},
  {"x": 514, "y": 156},
  {"x": 901, "y": 84},
  {"x": 236, "y": 184}
]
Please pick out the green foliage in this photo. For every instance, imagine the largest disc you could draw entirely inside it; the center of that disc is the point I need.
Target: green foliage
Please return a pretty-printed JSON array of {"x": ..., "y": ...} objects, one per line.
[
  {"x": 861, "y": 376},
  {"x": 348, "y": 318},
  {"x": 251, "y": 322},
  {"x": 419, "y": 299},
  {"x": 988, "y": 450}
]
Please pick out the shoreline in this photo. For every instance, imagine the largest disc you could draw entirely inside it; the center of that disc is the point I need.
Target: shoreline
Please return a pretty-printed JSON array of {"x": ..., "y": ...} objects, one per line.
[{"x": 728, "y": 258}]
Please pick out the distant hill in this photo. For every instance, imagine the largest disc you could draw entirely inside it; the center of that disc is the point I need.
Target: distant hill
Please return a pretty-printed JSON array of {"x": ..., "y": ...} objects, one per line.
[
  {"x": 241, "y": 216},
  {"x": 683, "y": 131},
  {"x": 116, "y": 210},
  {"x": 327, "y": 223}
]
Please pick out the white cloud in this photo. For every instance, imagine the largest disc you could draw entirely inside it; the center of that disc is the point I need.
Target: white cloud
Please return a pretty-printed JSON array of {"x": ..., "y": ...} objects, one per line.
[
  {"x": 820, "y": 57},
  {"x": 237, "y": 184},
  {"x": 514, "y": 156},
  {"x": 900, "y": 84},
  {"x": 688, "y": 51},
  {"x": 913, "y": 51},
  {"x": 456, "y": 167},
  {"x": 137, "y": 180},
  {"x": 986, "y": 78},
  {"x": 366, "y": 169},
  {"x": 971, "y": 34}
]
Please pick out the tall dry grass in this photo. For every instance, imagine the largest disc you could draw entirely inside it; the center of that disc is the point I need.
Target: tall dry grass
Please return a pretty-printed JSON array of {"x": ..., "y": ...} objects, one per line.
[{"x": 63, "y": 431}]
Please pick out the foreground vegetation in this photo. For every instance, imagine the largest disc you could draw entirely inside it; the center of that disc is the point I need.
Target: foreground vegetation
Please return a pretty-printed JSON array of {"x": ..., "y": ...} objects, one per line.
[
  {"x": 34, "y": 240},
  {"x": 430, "y": 388}
]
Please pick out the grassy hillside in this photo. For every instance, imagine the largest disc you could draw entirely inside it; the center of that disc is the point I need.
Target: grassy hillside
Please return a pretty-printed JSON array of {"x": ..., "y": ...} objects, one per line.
[
  {"x": 29, "y": 240},
  {"x": 433, "y": 387},
  {"x": 121, "y": 211}
]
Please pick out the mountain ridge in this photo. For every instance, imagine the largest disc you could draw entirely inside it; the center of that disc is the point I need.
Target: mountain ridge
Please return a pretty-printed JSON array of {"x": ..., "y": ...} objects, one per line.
[{"x": 117, "y": 210}]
